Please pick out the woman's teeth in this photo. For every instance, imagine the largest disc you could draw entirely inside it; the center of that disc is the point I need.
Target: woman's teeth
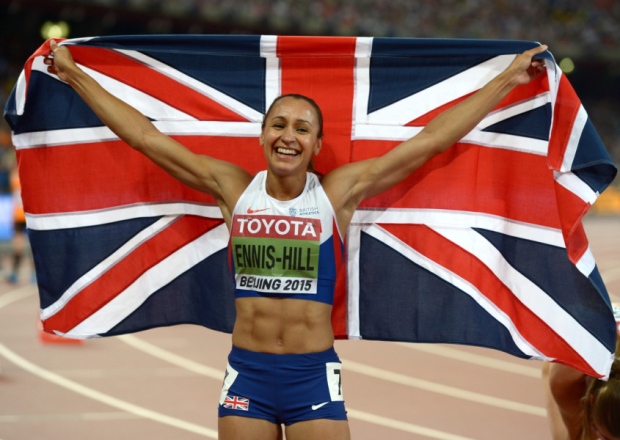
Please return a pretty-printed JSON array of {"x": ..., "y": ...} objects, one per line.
[{"x": 286, "y": 151}]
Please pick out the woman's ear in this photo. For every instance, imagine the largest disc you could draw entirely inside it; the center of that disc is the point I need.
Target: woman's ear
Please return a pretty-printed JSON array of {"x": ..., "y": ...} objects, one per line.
[
  {"x": 261, "y": 139},
  {"x": 317, "y": 147}
]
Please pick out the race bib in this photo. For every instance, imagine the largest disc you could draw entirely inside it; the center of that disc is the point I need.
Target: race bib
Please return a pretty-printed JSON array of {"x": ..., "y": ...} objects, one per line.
[
  {"x": 334, "y": 380},
  {"x": 276, "y": 254}
]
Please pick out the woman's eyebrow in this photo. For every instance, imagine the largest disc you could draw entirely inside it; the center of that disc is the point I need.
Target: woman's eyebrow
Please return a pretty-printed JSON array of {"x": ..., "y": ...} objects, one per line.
[{"x": 297, "y": 120}]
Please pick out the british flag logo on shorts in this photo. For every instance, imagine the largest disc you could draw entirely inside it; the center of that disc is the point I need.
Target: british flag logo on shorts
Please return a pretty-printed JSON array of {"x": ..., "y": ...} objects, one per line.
[{"x": 235, "y": 402}]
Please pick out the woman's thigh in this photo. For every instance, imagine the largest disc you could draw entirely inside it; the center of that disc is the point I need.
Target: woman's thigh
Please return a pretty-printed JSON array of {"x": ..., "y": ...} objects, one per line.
[
  {"x": 247, "y": 428},
  {"x": 318, "y": 429}
]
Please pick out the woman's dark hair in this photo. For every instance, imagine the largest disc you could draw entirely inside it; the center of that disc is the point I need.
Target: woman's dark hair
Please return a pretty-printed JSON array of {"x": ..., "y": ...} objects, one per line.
[{"x": 310, "y": 101}]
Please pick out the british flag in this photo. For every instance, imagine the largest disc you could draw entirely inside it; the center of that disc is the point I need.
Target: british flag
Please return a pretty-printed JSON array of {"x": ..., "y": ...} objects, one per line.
[
  {"x": 483, "y": 245},
  {"x": 234, "y": 402}
]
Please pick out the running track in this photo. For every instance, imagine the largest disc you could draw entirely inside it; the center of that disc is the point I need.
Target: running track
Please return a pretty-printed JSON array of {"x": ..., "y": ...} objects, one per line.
[{"x": 164, "y": 384}]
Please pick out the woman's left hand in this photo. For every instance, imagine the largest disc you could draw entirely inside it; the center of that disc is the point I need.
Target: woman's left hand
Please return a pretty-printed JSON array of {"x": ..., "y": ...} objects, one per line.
[{"x": 525, "y": 68}]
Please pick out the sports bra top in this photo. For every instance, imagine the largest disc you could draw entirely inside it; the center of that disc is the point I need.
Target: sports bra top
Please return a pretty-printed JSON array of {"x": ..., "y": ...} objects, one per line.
[{"x": 288, "y": 249}]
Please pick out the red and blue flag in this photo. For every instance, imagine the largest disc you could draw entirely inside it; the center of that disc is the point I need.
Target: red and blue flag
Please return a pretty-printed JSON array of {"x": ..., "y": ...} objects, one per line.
[
  {"x": 234, "y": 402},
  {"x": 483, "y": 245}
]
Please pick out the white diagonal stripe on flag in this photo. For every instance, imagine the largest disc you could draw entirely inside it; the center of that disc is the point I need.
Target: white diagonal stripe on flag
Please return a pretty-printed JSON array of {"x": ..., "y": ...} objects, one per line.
[
  {"x": 68, "y": 220},
  {"x": 105, "y": 265},
  {"x": 452, "y": 88},
  {"x": 226, "y": 101},
  {"x": 150, "y": 281},
  {"x": 531, "y": 296},
  {"x": 455, "y": 280},
  {"x": 440, "y": 217}
]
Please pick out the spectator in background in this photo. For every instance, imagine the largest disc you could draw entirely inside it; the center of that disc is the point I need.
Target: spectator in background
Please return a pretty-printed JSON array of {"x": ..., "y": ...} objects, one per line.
[{"x": 19, "y": 227}]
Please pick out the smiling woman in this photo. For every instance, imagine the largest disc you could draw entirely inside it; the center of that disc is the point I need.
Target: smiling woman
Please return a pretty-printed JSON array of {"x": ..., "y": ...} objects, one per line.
[{"x": 287, "y": 227}]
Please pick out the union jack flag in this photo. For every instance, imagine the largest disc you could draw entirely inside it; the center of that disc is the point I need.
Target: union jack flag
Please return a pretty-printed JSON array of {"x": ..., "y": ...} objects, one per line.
[
  {"x": 483, "y": 245},
  {"x": 234, "y": 402}
]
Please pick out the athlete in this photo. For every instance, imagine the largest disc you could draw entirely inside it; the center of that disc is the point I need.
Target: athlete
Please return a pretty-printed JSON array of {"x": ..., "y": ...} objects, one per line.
[{"x": 282, "y": 369}]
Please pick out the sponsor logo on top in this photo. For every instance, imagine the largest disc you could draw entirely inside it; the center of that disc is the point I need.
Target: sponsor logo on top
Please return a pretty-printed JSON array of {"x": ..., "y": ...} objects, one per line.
[{"x": 274, "y": 226}]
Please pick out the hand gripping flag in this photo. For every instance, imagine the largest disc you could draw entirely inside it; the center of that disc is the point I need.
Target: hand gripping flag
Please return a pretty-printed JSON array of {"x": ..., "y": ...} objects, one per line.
[{"x": 483, "y": 245}]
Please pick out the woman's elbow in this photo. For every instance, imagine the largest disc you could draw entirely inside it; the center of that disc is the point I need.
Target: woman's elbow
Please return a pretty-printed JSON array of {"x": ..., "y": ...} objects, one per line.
[
  {"x": 435, "y": 142},
  {"x": 143, "y": 139}
]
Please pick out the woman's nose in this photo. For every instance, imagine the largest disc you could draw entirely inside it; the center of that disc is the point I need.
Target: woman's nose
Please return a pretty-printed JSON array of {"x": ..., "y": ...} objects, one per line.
[{"x": 288, "y": 135}]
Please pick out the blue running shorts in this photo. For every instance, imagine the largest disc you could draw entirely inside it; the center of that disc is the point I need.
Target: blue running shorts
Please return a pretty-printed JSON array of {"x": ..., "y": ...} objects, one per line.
[{"x": 283, "y": 388}]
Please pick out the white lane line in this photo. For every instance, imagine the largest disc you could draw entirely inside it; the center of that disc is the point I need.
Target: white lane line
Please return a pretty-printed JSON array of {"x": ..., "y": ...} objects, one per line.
[
  {"x": 172, "y": 358},
  {"x": 102, "y": 397},
  {"x": 98, "y": 373},
  {"x": 17, "y": 294},
  {"x": 87, "y": 416},
  {"x": 475, "y": 359},
  {"x": 402, "y": 426},
  {"x": 438, "y": 388}
]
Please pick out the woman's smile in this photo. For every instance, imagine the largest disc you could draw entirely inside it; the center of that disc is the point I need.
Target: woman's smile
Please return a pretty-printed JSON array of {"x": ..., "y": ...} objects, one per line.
[{"x": 286, "y": 151}]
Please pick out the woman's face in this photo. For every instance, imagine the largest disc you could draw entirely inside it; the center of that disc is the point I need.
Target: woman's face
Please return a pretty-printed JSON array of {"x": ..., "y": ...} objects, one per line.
[{"x": 290, "y": 136}]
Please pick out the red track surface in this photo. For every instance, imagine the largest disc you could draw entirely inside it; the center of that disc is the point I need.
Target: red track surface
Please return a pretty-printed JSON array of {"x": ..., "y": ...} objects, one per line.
[{"x": 165, "y": 383}]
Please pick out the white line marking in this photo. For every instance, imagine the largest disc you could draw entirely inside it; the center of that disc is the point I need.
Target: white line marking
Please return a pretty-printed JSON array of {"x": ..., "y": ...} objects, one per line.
[
  {"x": 17, "y": 294},
  {"x": 102, "y": 397},
  {"x": 434, "y": 387},
  {"x": 23, "y": 292},
  {"x": 402, "y": 426},
  {"x": 172, "y": 358},
  {"x": 88, "y": 416},
  {"x": 476, "y": 359}
]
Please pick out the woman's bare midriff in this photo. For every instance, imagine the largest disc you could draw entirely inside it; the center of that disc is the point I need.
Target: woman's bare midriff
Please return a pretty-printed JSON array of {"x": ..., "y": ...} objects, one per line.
[{"x": 281, "y": 326}]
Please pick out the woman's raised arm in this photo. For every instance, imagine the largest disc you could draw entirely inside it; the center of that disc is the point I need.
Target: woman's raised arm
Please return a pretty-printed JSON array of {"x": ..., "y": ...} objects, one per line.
[
  {"x": 348, "y": 185},
  {"x": 223, "y": 180}
]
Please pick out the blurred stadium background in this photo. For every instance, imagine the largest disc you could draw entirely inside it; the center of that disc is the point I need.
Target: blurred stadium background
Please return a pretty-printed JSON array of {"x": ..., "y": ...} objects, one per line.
[{"x": 583, "y": 35}]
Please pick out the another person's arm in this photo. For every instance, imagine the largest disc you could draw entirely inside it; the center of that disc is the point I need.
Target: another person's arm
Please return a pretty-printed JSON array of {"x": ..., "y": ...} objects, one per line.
[{"x": 564, "y": 389}]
